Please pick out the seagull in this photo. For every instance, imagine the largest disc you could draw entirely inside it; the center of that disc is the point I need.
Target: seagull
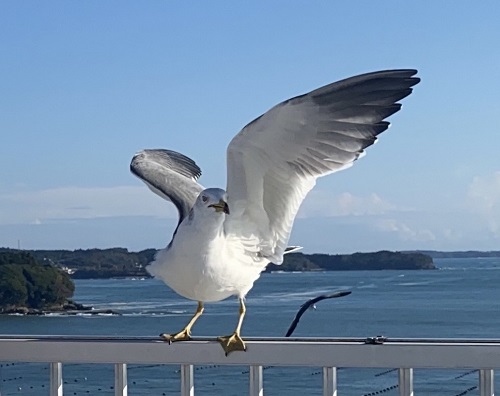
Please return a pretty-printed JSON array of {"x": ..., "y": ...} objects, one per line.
[{"x": 224, "y": 239}]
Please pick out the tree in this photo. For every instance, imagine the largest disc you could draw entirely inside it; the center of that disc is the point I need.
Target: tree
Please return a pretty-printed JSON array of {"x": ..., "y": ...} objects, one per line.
[
  {"x": 13, "y": 289},
  {"x": 26, "y": 283}
]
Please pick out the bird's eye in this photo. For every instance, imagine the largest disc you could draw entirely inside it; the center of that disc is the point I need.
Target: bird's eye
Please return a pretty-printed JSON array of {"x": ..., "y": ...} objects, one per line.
[{"x": 204, "y": 198}]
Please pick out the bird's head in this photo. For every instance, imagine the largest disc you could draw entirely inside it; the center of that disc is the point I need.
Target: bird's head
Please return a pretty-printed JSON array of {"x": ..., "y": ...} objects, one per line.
[{"x": 214, "y": 199}]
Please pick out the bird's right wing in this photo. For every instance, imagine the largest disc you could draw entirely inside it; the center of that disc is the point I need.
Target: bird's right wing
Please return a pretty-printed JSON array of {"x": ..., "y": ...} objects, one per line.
[
  {"x": 169, "y": 174},
  {"x": 275, "y": 160}
]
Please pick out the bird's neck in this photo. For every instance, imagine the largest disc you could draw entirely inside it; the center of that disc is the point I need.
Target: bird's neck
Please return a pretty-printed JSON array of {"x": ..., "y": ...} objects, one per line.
[{"x": 210, "y": 226}]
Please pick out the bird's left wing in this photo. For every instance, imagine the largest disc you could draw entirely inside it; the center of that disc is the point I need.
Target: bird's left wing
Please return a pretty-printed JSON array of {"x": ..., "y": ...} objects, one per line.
[
  {"x": 275, "y": 160},
  {"x": 169, "y": 174}
]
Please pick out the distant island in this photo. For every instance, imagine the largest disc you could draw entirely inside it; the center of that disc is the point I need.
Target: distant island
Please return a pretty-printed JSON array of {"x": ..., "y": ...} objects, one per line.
[
  {"x": 458, "y": 254},
  {"x": 29, "y": 287},
  {"x": 383, "y": 260},
  {"x": 119, "y": 262}
]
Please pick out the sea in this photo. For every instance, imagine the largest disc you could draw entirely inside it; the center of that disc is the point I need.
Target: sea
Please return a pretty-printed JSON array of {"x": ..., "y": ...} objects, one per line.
[{"x": 459, "y": 300}]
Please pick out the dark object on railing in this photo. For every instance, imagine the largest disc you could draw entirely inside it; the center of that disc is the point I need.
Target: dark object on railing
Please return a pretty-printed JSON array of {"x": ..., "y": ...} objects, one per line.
[
  {"x": 310, "y": 303},
  {"x": 378, "y": 340}
]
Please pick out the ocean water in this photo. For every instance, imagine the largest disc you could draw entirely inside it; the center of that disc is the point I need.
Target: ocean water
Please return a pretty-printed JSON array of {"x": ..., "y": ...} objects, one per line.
[{"x": 461, "y": 299}]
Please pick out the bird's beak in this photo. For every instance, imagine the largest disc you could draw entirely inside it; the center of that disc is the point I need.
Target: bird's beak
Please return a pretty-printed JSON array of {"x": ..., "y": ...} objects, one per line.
[{"x": 221, "y": 206}]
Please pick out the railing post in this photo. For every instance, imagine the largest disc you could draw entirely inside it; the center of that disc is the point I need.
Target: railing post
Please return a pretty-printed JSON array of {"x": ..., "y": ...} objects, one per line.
[
  {"x": 121, "y": 388},
  {"x": 56, "y": 382},
  {"x": 256, "y": 383},
  {"x": 187, "y": 381},
  {"x": 405, "y": 382},
  {"x": 486, "y": 383},
  {"x": 329, "y": 381}
]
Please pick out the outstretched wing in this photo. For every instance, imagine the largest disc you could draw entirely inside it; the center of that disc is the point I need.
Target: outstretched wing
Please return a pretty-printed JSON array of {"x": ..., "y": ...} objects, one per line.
[
  {"x": 169, "y": 174},
  {"x": 275, "y": 160}
]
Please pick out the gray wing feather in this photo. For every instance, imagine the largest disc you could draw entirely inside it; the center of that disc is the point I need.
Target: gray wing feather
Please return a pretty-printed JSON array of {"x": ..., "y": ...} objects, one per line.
[
  {"x": 275, "y": 160},
  {"x": 169, "y": 174}
]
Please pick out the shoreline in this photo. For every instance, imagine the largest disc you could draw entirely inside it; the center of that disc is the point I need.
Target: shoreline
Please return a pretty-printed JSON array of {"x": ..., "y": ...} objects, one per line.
[{"x": 70, "y": 308}]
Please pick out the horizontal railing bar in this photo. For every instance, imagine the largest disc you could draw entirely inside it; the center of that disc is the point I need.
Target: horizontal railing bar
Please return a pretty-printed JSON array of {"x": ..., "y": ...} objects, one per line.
[
  {"x": 255, "y": 339},
  {"x": 268, "y": 352}
]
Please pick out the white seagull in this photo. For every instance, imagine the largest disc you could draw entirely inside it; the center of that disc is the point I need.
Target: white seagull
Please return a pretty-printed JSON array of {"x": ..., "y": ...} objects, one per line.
[{"x": 225, "y": 239}]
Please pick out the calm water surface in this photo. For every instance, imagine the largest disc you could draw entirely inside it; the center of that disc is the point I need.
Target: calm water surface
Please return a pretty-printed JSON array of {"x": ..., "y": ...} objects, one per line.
[{"x": 462, "y": 299}]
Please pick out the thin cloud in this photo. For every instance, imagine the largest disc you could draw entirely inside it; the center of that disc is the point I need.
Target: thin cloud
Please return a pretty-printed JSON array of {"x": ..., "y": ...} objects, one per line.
[
  {"x": 321, "y": 203},
  {"x": 405, "y": 232},
  {"x": 39, "y": 206},
  {"x": 484, "y": 200}
]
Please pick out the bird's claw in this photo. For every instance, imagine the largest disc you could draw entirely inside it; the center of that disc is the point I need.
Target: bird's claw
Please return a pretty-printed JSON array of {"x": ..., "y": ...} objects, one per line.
[
  {"x": 232, "y": 343},
  {"x": 182, "y": 335}
]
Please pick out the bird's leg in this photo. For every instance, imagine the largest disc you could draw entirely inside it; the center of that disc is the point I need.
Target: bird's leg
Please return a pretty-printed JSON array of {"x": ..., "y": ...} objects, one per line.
[
  {"x": 184, "y": 334},
  {"x": 234, "y": 342}
]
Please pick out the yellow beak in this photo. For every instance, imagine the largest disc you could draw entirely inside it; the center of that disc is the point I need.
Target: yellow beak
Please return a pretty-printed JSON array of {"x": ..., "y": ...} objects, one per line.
[{"x": 221, "y": 206}]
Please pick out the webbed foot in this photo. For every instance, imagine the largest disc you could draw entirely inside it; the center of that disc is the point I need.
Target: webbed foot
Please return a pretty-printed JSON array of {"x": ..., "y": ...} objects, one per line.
[
  {"x": 183, "y": 335},
  {"x": 232, "y": 343}
]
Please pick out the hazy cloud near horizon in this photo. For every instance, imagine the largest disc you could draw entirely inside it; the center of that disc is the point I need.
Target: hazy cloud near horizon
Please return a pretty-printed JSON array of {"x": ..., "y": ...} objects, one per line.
[
  {"x": 64, "y": 203},
  {"x": 342, "y": 223},
  {"x": 484, "y": 199},
  {"x": 39, "y": 206}
]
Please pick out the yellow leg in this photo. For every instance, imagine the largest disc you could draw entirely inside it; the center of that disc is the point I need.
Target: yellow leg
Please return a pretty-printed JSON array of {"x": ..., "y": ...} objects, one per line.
[
  {"x": 184, "y": 334},
  {"x": 234, "y": 342}
]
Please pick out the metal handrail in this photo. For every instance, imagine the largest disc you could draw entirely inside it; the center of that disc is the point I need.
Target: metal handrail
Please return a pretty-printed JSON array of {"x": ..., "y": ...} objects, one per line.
[{"x": 404, "y": 354}]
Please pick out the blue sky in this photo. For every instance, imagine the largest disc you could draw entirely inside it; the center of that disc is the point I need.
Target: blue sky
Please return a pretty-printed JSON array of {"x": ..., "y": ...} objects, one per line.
[{"x": 84, "y": 85}]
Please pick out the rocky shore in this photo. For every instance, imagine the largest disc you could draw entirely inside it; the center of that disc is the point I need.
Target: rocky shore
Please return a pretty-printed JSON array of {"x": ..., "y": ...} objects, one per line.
[{"x": 69, "y": 308}]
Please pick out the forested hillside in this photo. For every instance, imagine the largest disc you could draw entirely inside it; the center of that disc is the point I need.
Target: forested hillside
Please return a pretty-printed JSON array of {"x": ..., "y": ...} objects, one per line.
[
  {"x": 99, "y": 263},
  {"x": 382, "y": 260},
  {"x": 459, "y": 254},
  {"x": 26, "y": 283}
]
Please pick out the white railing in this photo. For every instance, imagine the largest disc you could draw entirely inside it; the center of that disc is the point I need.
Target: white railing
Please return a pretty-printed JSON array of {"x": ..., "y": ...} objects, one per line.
[{"x": 404, "y": 354}]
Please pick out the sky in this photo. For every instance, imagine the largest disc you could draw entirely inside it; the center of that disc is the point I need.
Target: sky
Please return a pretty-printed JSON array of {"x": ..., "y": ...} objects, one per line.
[{"x": 84, "y": 85}]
